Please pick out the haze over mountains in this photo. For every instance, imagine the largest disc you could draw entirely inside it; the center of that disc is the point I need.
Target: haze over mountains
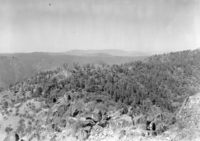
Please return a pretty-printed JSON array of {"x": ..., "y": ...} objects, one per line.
[
  {"x": 108, "y": 52},
  {"x": 17, "y": 66}
]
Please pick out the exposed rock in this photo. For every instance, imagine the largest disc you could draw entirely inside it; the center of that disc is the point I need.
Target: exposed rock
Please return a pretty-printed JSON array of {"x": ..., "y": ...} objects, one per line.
[
  {"x": 96, "y": 115},
  {"x": 189, "y": 119},
  {"x": 87, "y": 128},
  {"x": 10, "y": 137},
  {"x": 53, "y": 138},
  {"x": 122, "y": 133},
  {"x": 62, "y": 123},
  {"x": 88, "y": 122},
  {"x": 82, "y": 134}
]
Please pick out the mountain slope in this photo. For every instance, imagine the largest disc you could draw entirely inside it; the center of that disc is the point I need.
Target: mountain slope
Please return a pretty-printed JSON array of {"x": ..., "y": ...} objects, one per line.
[
  {"x": 11, "y": 70},
  {"x": 145, "y": 100}
]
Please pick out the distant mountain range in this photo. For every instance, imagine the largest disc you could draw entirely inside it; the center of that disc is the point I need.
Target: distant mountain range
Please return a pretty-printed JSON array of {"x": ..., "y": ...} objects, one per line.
[
  {"x": 15, "y": 67},
  {"x": 106, "y": 52}
]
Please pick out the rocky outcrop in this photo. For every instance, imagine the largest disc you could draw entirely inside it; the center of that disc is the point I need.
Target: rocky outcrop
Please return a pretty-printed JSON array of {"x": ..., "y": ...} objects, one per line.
[
  {"x": 188, "y": 119},
  {"x": 71, "y": 118}
]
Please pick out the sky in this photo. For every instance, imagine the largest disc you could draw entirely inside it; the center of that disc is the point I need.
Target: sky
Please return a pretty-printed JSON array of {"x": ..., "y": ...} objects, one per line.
[{"x": 131, "y": 25}]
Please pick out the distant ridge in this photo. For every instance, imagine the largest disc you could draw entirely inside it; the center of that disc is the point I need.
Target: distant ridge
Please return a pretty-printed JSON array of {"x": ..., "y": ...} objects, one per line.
[
  {"x": 15, "y": 67},
  {"x": 105, "y": 52},
  {"x": 112, "y": 52}
]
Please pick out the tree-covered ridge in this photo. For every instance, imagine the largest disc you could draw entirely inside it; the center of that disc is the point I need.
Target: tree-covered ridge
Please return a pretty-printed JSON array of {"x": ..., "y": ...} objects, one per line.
[
  {"x": 153, "y": 89},
  {"x": 163, "y": 80}
]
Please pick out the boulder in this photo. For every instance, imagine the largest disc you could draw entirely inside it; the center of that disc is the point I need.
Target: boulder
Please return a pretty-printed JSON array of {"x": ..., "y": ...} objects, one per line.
[
  {"x": 96, "y": 117},
  {"x": 88, "y": 122},
  {"x": 53, "y": 138},
  {"x": 97, "y": 129},
  {"x": 103, "y": 123},
  {"x": 82, "y": 134},
  {"x": 96, "y": 111},
  {"x": 11, "y": 137},
  {"x": 87, "y": 129},
  {"x": 62, "y": 123},
  {"x": 122, "y": 133}
]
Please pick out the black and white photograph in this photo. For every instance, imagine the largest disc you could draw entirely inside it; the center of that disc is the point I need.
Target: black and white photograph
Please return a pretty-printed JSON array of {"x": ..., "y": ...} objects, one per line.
[{"x": 99, "y": 70}]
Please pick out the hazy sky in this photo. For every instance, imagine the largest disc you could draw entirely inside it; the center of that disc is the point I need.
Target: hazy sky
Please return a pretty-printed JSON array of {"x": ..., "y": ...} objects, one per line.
[{"x": 61, "y": 25}]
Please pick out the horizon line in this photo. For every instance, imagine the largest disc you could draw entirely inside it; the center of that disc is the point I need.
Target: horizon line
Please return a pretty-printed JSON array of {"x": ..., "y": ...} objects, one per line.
[{"x": 98, "y": 50}]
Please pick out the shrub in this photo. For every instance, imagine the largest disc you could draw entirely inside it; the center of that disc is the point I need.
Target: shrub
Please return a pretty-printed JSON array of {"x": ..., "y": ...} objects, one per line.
[{"x": 8, "y": 129}]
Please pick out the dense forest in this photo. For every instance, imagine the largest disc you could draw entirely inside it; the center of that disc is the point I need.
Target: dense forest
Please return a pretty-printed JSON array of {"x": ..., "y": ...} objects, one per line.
[{"x": 154, "y": 88}]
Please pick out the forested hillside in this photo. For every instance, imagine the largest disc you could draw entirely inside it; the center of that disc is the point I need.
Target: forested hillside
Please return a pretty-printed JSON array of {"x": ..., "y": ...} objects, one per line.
[{"x": 149, "y": 92}]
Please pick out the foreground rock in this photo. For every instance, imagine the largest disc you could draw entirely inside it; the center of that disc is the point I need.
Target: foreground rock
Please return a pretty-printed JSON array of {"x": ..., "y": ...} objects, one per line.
[
  {"x": 189, "y": 119},
  {"x": 50, "y": 125}
]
